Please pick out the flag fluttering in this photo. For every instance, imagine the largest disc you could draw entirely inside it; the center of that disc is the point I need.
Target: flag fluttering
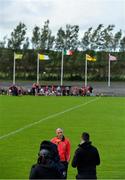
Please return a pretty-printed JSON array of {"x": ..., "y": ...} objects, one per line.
[
  {"x": 90, "y": 58},
  {"x": 18, "y": 56},
  {"x": 112, "y": 58},
  {"x": 68, "y": 52},
  {"x": 43, "y": 57}
]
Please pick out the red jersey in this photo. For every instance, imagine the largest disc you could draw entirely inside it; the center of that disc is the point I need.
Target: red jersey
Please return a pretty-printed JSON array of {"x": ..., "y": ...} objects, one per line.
[{"x": 63, "y": 148}]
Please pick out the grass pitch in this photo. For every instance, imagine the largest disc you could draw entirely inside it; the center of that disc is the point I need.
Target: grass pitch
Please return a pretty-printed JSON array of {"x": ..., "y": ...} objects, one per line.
[{"x": 26, "y": 121}]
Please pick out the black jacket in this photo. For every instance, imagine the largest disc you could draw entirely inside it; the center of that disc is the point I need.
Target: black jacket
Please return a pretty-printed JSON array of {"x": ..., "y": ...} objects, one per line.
[
  {"x": 45, "y": 171},
  {"x": 54, "y": 154},
  {"x": 85, "y": 159}
]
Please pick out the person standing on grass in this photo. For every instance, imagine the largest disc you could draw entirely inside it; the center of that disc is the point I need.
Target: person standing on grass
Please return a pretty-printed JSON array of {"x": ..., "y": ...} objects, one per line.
[
  {"x": 86, "y": 158},
  {"x": 63, "y": 145},
  {"x": 46, "y": 167}
]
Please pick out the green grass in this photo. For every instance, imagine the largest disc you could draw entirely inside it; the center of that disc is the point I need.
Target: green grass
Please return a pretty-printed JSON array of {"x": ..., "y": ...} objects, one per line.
[{"x": 103, "y": 118}]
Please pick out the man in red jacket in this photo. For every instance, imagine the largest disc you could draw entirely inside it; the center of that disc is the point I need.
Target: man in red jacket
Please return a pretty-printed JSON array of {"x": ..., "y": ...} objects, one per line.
[{"x": 63, "y": 145}]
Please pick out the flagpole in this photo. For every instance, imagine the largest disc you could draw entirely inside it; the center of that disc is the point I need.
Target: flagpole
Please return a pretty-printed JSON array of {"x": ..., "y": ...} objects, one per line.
[
  {"x": 14, "y": 70},
  {"x": 85, "y": 72},
  {"x": 62, "y": 68},
  {"x": 109, "y": 73},
  {"x": 38, "y": 69}
]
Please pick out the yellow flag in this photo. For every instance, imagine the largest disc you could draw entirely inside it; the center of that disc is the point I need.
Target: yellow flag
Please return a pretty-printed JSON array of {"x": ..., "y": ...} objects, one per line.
[
  {"x": 18, "y": 56},
  {"x": 90, "y": 58},
  {"x": 43, "y": 57}
]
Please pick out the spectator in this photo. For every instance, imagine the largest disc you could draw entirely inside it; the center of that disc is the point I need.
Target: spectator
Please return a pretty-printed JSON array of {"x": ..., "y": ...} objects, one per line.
[
  {"x": 33, "y": 88},
  {"x": 14, "y": 90},
  {"x": 67, "y": 90},
  {"x": 63, "y": 145},
  {"x": 86, "y": 159},
  {"x": 58, "y": 91}
]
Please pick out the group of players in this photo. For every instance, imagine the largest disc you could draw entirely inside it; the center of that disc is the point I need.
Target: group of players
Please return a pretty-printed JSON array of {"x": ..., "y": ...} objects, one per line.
[{"x": 38, "y": 90}]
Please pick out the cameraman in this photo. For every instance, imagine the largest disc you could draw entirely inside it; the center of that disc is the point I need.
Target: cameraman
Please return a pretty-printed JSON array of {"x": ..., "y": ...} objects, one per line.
[
  {"x": 45, "y": 167},
  {"x": 48, "y": 164}
]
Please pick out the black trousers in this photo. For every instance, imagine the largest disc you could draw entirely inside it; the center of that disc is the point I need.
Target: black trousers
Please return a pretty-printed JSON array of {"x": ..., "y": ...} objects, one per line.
[
  {"x": 86, "y": 176},
  {"x": 65, "y": 163}
]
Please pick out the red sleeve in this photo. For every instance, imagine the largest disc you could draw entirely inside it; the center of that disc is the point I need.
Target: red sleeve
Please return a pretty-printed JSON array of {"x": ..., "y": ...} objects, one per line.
[{"x": 68, "y": 151}]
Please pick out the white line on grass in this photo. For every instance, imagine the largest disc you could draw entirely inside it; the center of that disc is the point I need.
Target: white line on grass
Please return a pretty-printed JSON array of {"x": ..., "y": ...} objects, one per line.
[{"x": 46, "y": 118}]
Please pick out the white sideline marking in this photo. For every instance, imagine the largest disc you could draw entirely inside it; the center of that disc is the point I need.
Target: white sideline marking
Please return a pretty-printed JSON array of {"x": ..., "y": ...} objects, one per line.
[{"x": 46, "y": 118}]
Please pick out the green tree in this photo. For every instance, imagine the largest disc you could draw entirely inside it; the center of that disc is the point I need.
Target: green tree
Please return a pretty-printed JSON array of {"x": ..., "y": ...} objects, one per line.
[
  {"x": 122, "y": 44},
  {"x": 36, "y": 38},
  {"x": 17, "y": 36},
  {"x": 95, "y": 38},
  {"x": 116, "y": 40},
  {"x": 106, "y": 38},
  {"x": 51, "y": 40},
  {"x": 6, "y": 63},
  {"x": 71, "y": 37},
  {"x": 26, "y": 44},
  {"x": 60, "y": 39},
  {"x": 85, "y": 41},
  {"x": 67, "y": 39},
  {"x": 46, "y": 39}
]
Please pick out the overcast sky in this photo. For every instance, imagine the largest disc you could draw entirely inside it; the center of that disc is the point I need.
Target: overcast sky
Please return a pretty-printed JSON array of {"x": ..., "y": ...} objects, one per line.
[{"x": 85, "y": 13}]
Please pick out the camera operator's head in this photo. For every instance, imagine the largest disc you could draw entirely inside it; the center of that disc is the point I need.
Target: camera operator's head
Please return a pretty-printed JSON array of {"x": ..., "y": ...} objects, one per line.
[
  {"x": 44, "y": 156},
  {"x": 52, "y": 148}
]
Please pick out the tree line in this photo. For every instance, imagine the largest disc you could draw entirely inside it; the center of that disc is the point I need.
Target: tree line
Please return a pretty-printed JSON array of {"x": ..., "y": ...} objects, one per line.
[{"x": 101, "y": 40}]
